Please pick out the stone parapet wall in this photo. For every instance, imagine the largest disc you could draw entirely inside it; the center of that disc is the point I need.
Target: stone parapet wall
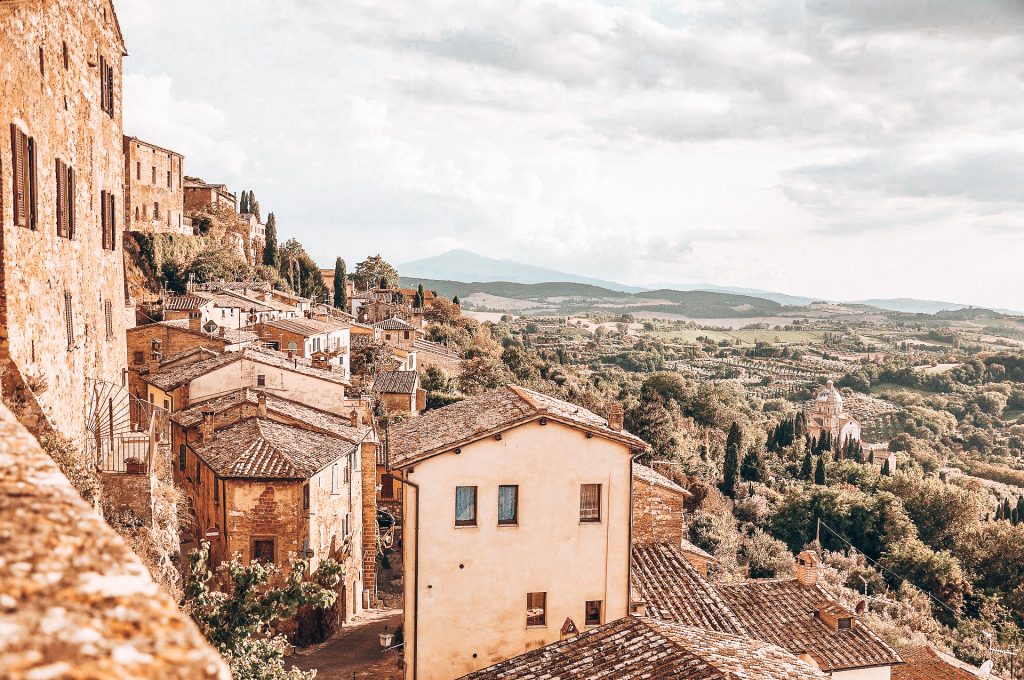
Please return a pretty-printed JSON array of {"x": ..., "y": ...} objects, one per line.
[{"x": 74, "y": 600}]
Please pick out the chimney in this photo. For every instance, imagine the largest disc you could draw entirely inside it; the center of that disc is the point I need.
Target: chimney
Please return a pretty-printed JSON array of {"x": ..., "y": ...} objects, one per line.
[
  {"x": 221, "y": 331},
  {"x": 153, "y": 365},
  {"x": 807, "y": 568},
  {"x": 355, "y": 419},
  {"x": 206, "y": 427},
  {"x": 261, "y": 403},
  {"x": 615, "y": 416},
  {"x": 195, "y": 321}
]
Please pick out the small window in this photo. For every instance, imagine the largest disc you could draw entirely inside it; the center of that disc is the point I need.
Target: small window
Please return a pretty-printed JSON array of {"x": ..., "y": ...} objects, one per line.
[
  {"x": 590, "y": 502},
  {"x": 138, "y": 170},
  {"x": 334, "y": 478},
  {"x": 182, "y": 458},
  {"x": 65, "y": 212},
  {"x": 138, "y": 357},
  {"x": 263, "y": 550},
  {"x": 305, "y": 497},
  {"x": 154, "y": 175},
  {"x": 108, "y": 317},
  {"x": 69, "y": 321},
  {"x": 536, "y": 609},
  {"x": 64, "y": 53},
  {"x": 593, "y": 613},
  {"x": 23, "y": 167},
  {"x": 465, "y": 506},
  {"x": 168, "y": 179},
  {"x": 156, "y": 210},
  {"x": 508, "y": 504},
  {"x": 261, "y": 380},
  {"x": 216, "y": 491},
  {"x": 42, "y": 62},
  {"x": 199, "y": 472}
]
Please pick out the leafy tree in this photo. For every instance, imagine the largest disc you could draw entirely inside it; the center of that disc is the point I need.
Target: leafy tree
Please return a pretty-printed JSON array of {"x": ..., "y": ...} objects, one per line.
[
  {"x": 652, "y": 422},
  {"x": 375, "y": 271},
  {"x": 943, "y": 513},
  {"x": 730, "y": 470},
  {"x": 482, "y": 373},
  {"x": 238, "y": 619},
  {"x": 300, "y": 270},
  {"x": 753, "y": 468},
  {"x": 270, "y": 252},
  {"x": 339, "y": 283},
  {"x": 819, "y": 471},
  {"x": 766, "y": 557},
  {"x": 442, "y": 311},
  {"x": 456, "y": 301}
]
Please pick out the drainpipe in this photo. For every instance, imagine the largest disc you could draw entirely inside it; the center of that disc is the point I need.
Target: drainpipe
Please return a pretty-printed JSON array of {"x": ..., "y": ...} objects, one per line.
[
  {"x": 629, "y": 550},
  {"x": 416, "y": 574}
]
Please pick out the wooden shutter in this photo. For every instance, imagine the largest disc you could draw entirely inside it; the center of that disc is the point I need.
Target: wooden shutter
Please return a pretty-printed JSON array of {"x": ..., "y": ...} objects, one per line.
[
  {"x": 108, "y": 314},
  {"x": 71, "y": 203},
  {"x": 69, "y": 321},
  {"x": 33, "y": 211},
  {"x": 103, "y": 216},
  {"x": 61, "y": 198},
  {"x": 103, "y": 83},
  {"x": 110, "y": 90},
  {"x": 112, "y": 221},
  {"x": 18, "y": 171}
]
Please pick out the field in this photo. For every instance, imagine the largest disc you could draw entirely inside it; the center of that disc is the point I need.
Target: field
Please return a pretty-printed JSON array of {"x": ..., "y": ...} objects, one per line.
[{"x": 745, "y": 337}]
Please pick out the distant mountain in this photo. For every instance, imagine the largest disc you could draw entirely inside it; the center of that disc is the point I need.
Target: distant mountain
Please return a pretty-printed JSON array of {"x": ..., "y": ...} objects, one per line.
[
  {"x": 781, "y": 298},
  {"x": 912, "y": 306},
  {"x": 462, "y": 265}
]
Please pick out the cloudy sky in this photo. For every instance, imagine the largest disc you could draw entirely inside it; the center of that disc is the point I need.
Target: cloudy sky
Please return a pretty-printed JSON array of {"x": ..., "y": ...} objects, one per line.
[{"x": 822, "y": 147}]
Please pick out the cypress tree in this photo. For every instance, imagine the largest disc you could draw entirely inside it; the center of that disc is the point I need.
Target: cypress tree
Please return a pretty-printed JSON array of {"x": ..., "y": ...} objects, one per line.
[
  {"x": 339, "y": 283},
  {"x": 808, "y": 466},
  {"x": 270, "y": 252},
  {"x": 730, "y": 471},
  {"x": 800, "y": 424},
  {"x": 1020, "y": 507},
  {"x": 1007, "y": 510},
  {"x": 819, "y": 471},
  {"x": 456, "y": 301},
  {"x": 254, "y": 206},
  {"x": 753, "y": 468},
  {"x": 735, "y": 436},
  {"x": 999, "y": 512},
  {"x": 885, "y": 468},
  {"x": 243, "y": 202}
]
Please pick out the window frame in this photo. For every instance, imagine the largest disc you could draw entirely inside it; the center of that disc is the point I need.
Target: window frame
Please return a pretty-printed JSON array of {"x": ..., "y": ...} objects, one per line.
[
  {"x": 541, "y": 620},
  {"x": 476, "y": 498},
  {"x": 587, "y": 621},
  {"x": 182, "y": 458},
  {"x": 272, "y": 540},
  {"x": 514, "y": 520},
  {"x": 589, "y": 518}
]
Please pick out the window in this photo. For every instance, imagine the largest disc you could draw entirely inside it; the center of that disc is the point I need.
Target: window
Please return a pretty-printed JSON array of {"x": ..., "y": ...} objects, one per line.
[
  {"x": 168, "y": 179},
  {"x": 23, "y": 153},
  {"x": 261, "y": 380},
  {"x": 69, "y": 321},
  {"x": 138, "y": 170},
  {"x": 216, "y": 491},
  {"x": 590, "y": 502},
  {"x": 593, "y": 613},
  {"x": 108, "y": 214},
  {"x": 263, "y": 550},
  {"x": 64, "y": 53},
  {"x": 42, "y": 62},
  {"x": 108, "y": 317},
  {"x": 154, "y": 175},
  {"x": 334, "y": 478},
  {"x": 136, "y": 213},
  {"x": 156, "y": 210},
  {"x": 508, "y": 504},
  {"x": 405, "y": 334},
  {"x": 465, "y": 506},
  {"x": 536, "y": 609},
  {"x": 106, "y": 87},
  {"x": 305, "y": 497},
  {"x": 199, "y": 472},
  {"x": 138, "y": 357},
  {"x": 348, "y": 474},
  {"x": 65, "y": 200},
  {"x": 182, "y": 459}
]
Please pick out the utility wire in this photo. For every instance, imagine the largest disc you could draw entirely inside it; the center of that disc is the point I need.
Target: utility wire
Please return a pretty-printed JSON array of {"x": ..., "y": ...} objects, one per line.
[{"x": 889, "y": 571}]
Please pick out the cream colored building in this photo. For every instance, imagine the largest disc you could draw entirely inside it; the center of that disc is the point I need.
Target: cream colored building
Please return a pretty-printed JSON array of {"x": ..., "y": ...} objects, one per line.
[
  {"x": 516, "y": 522},
  {"x": 827, "y": 415}
]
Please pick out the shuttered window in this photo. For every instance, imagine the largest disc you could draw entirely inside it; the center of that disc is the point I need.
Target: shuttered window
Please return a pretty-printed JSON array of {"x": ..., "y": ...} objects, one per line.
[
  {"x": 590, "y": 502},
  {"x": 108, "y": 317},
  {"x": 65, "y": 200},
  {"x": 23, "y": 153},
  {"x": 69, "y": 321},
  {"x": 108, "y": 216},
  {"x": 107, "y": 86}
]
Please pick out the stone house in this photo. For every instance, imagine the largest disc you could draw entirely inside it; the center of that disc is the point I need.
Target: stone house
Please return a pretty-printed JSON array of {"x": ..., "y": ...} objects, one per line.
[
  {"x": 223, "y": 308},
  {"x": 199, "y": 195},
  {"x": 308, "y": 338},
  {"x": 398, "y": 332},
  {"x": 515, "y": 488},
  {"x": 322, "y": 387},
  {"x": 400, "y": 392},
  {"x": 434, "y": 354},
  {"x": 657, "y": 508},
  {"x": 62, "y": 296},
  {"x": 153, "y": 190},
  {"x": 297, "y": 508}
]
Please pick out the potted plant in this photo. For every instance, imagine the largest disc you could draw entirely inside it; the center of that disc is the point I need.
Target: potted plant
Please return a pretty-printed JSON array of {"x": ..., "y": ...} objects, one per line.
[{"x": 135, "y": 466}]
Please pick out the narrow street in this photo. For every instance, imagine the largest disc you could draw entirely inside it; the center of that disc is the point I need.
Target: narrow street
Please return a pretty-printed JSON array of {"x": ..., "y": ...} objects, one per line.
[{"x": 355, "y": 651}]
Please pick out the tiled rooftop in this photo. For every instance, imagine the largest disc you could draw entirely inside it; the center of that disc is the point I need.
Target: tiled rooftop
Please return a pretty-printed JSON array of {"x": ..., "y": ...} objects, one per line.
[
  {"x": 185, "y": 303},
  {"x": 261, "y": 448},
  {"x": 675, "y": 591},
  {"x": 421, "y": 345},
  {"x": 652, "y": 476},
  {"x": 928, "y": 663},
  {"x": 306, "y": 327},
  {"x": 396, "y": 382},
  {"x": 233, "y": 336},
  {"x": 633, "y": 648},
  {"x": 181, "y": 375},
  {"x": 470, "y": 419},
  {"x": 393, "y": 324}
]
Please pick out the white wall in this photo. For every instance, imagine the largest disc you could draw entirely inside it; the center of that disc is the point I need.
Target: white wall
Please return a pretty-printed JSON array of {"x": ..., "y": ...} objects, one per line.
[{"x": 879, "y": 673}]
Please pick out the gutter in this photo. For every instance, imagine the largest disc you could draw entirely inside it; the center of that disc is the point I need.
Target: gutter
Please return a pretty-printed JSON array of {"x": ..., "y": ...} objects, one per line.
[{"x": 416, "y": 574}]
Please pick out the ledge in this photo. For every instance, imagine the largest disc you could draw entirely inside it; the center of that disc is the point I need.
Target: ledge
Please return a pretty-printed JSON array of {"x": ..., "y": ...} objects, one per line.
[{"x": 74, "y": 600}]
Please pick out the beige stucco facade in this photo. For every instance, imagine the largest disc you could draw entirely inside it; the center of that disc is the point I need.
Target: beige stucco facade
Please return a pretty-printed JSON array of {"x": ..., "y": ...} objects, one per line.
[
  {"x": 876, "y": 673},
  {"x": 305, "y": 389},
  {"x": 466, "y": 587}
]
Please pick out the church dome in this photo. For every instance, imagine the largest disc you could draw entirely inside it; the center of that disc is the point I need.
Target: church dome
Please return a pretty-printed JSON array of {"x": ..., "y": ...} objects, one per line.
[{"x": 830, "y": 395}]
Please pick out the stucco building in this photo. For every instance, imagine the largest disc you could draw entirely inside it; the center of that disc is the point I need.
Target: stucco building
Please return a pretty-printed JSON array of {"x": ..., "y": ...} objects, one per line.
[
  {"x": 516, "y": 518},
  {"x": 826, "y": 416},
  {"x": 62, "y": 305},
  {"x": 153, "y": 189}
]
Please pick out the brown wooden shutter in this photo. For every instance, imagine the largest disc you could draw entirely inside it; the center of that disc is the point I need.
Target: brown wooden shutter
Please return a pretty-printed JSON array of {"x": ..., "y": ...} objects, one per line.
[
  {"x": 33, "y": 175},
  {"x": 110, "y": 91},
  {"x": 103, "y": 83},
  {"x": 18, "y": 172},
  {"x": 61, "y": 198},
  {"x": 71, "y": 203},
  {"x": 103, "y": 216}
]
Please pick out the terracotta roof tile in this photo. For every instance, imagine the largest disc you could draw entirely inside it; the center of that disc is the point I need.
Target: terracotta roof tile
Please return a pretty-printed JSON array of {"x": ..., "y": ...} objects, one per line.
[
  {"x": 396, "y": 382},
  {"x": 306, "y": 327},
  {"x": 675, "y": 591},
  {"x": 444, "y": 428},
  {"x": 928, "y": 663},
  {"x": 633, "y": 648},
  {"x": 181, "y": 375},
  {"x": 651, "y": 476},
  {"x": 393, "y": 324}
]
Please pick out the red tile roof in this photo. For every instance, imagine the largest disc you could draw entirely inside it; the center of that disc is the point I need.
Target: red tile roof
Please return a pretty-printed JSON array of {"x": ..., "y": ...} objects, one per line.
[{"x": 928, "y": 663}]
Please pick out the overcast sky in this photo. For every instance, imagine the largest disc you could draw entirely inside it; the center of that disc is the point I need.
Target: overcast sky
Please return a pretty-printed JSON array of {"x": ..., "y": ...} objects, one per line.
[{"x": 830, "y": 148}]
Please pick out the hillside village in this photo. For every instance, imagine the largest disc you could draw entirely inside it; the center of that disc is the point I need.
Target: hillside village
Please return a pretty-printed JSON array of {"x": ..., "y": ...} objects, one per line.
[{"x": 222, "y": 459}]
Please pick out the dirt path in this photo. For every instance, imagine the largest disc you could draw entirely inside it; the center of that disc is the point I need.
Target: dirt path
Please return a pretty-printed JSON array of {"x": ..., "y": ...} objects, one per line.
[{"x": 355, "y": 651}]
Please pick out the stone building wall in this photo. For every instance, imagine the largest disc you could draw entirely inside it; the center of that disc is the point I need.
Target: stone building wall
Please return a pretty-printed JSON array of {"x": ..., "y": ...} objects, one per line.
[
  {"x": 50, "y": 89},
  {"x": 657, "y": 513},
  {"x": 153, "y": 181},
  {"x": 74, "y": 600}
]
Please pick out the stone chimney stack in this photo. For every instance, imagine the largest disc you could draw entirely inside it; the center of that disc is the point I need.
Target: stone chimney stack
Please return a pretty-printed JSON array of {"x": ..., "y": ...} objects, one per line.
[
  {"x": 261, "y": 404},
  {"x": 206, "y": 427},
  {"x": 355, "y": 419},
  {"x": 615, "y": 417},
  {"x": 807, "y": 568},
  {"x": 195, "y": 321}
]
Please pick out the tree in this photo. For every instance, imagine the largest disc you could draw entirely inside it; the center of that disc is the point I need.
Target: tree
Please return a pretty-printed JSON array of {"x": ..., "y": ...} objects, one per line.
[
  {"x": 735, "y": 436},
  {"x": 819, "y": 472},
  {"x": 254, "y": 206},
  {"x": 730, "y": 471},
  {"x": 456, "y": 301},
  {"x": 243, "y": 202},
  {"x": 753, "y": 468},
  {"x": 270, "y": 252},
  {"x": 808, "y": 466},
  {"x": 885, "y": 468},
  {"x": 238, "y": 619},
  {"x": 339, "y": 283},
  {"x": 652, "y": 422}
]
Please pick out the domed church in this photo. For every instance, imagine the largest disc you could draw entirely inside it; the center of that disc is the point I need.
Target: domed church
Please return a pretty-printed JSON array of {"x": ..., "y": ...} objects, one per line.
[{"x": 826, "y": 415}]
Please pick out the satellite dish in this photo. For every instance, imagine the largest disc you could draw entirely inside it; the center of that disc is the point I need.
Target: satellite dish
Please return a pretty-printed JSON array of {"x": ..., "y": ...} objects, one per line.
[{"x": 985, "y": 669}]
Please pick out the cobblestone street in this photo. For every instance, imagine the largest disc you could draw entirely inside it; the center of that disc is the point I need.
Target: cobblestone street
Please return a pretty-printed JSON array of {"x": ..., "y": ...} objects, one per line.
[{"x": 355, "y": 651}]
